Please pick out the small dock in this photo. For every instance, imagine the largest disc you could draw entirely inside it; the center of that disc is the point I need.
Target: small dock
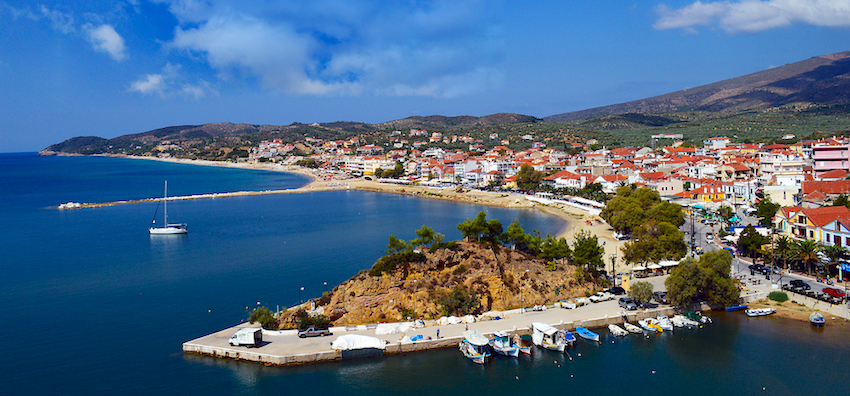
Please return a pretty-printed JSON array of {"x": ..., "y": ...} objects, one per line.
[{"x": 284, "y": 348}]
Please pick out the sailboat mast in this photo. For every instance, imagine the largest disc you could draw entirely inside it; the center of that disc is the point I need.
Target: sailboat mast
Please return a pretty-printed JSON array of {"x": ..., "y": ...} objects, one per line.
[{"x": 165, "y": 205}]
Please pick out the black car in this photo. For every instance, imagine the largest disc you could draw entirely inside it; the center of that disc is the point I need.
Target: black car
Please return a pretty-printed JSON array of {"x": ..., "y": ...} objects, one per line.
[
  {"x": 799, "y": 283},
  {"x": 617, "y": 291},
  {"x": 628, "y": 303},
  {"x": 661, "y": 297}
]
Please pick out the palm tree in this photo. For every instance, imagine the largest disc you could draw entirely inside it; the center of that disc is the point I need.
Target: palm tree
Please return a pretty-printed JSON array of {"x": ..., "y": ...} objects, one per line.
[
  {"x": 783, "y": 248},
  {"x": 807, "y": 252},
  {"x": 834, "y": 253}
]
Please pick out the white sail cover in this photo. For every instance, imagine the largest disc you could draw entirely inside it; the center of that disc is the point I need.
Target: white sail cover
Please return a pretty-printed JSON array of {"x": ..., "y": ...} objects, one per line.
[{"x": 355, "y": 341}]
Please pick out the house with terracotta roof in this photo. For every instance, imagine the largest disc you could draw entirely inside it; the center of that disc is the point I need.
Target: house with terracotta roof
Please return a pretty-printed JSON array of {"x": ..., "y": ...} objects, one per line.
[
  {"x": 708, "y": 193},
  {"x": 827, "y": 225},
  {"x": 833, "y": 175}
]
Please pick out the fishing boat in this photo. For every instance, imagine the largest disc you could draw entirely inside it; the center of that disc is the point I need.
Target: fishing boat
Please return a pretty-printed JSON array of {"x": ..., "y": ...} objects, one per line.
[
  {"x": 167, "y": 229},
  {"x": 760, "y": 311},
  {"x": 650, "y": 324},
  {"x": 587, "y": 334},
  {"x": 617, "y": 330},
  {"x": 632, "y": 328},
  {"x": 817, "y": 319},
  {"x": 474, "y": 347},
  {"x": 501, "y": 344},
  {"x": 698, "y": 317},
  {"x": 665, "y": 323},
  {"x": 686, "y": 321},
  {"x": 551, "y": 338},
  {"x": 523, "y": 342},
  {"x": 740, "y": 307},
  {"x": 678, "y": 321}
]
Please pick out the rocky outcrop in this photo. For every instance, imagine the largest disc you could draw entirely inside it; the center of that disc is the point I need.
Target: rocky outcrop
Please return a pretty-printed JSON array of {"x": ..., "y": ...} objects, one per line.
[{"x": 501, "y": 280}]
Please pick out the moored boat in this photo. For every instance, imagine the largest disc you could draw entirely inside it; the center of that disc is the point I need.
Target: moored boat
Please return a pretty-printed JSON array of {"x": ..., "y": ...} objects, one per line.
[
  {"x": 698, "y": 317},
  {"x": 501, "y": 344},
  {"x": 474, "y": 347},
  {"x": 686, "y": 321},
  {"x": 632, "y": 328},
  {"x": 665, "y": 323},
  {"x": 551, "y": 338},
  {"x": 167, "y": 229},
  {"x": 740, "y": 307},
  {"x": 352, "y": 346},
  {"x": 817, "y": 319},
  {"x": 523, "y": 342},
  {"x": 587, "y": 334},
  {"x": 617, "y": 330},
  {"x": 650, "y": 324},
  {"x": 760, "y": 311}
]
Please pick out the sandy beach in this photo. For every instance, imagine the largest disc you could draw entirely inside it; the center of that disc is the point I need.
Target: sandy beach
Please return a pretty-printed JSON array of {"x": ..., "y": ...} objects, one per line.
[{"x": 576, "y": 219}]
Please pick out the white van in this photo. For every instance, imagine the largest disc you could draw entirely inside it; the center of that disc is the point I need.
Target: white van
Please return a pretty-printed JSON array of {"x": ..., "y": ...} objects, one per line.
[{"x": 248, "y": 337}]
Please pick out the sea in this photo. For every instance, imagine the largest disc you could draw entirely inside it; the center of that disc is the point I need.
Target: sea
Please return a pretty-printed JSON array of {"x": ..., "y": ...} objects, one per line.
[{"x": 92, "y": 304}]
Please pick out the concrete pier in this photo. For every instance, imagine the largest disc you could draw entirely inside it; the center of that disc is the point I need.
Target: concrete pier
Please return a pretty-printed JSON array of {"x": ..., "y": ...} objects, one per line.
[{"x": 286, "y": 348}]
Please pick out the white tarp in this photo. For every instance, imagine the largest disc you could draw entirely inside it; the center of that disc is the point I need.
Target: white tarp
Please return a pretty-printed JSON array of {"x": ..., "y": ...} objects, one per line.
[
  {"x": 468, "y": 319},
  {"x": 393, "y": 328},
  {"x": 668, "y": 263},
  {"x": 448, "y": 320},
  {"x": 654, "y": 266},
  {"x": 355, "y": 341},
  {"x": 638, "y": 268}
]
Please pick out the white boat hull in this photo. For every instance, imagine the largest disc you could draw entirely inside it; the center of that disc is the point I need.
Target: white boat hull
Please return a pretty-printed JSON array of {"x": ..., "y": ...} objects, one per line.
[{"x": 170, "y": 230}]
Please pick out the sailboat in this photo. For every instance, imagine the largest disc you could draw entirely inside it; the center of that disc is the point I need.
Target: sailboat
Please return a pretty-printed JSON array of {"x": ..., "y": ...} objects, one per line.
[{"x": 167, "y": 229}]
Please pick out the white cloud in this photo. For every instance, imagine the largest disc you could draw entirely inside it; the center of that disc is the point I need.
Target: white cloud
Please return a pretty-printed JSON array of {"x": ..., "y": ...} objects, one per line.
[
  {"x": 754, "y": 15},
  {"x": 104, "y": 38},
  {"x": 170, "y": 82},
  {"x": 331, "y": 47},
  {"x": 60, "y": 21}
]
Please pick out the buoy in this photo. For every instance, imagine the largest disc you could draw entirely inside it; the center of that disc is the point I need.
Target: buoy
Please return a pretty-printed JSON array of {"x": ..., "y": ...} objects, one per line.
[
  {"x": 517, "y": 377},
  {"x": 612, "y": 341},
  {"x": 579, "y": 355},
  {"x": 653, "y": 371},
  {"x": 209, "y": 310},
  {"x": 763, "y": 389},
  {"x": 559, "y": 366},
  {"x": 556, "y": 362},
  {"x": 571, "y": 375}
]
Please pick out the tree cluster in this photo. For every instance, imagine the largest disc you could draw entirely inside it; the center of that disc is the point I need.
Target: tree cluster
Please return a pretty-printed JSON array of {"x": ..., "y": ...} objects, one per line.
[
  {"x": 527, "y": 178},
  {"x": 652, "y": 223},
  {"x": 708, "y": 279},
  {"x": 394, "y": 173}
]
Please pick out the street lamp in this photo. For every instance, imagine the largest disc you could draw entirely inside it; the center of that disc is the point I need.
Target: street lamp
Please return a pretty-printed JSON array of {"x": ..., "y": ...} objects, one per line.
[
  {"x": 522, "y": 308},
  {"x": 300, "y": 301},
  {"x": 326, "y": 287},
  {"x": 414, "y": 299}
]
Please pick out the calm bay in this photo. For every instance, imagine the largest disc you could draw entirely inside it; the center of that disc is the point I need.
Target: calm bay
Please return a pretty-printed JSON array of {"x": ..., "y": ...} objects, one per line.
[{"x": 92, "y": 304}]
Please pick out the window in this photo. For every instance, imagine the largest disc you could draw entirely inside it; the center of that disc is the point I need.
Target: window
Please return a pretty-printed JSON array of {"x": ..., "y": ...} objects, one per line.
[{"x": 836, "y": 240}]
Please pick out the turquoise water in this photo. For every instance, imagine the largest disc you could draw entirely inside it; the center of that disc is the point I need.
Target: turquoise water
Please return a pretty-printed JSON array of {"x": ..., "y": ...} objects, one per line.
[{"x": 91, "y": 304}]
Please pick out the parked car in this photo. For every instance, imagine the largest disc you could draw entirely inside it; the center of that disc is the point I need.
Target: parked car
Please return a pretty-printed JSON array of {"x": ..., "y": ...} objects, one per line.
[
  {"x": 314, "y": 332},
  {"x": 799, "y": 283},
  {"x": 660, "y": 297},
  {"x": 834, "y": 292},
  {"x": 628, "y": 303},
  {"x": 617, "y": 291},
  {"x": 709, "y": 236},
  {"x": 601, "y": 296}
]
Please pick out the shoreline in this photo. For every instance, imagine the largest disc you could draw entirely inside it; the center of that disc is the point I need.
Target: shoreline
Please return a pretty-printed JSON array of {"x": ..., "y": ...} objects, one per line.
[{"x": 575, "y": 219}]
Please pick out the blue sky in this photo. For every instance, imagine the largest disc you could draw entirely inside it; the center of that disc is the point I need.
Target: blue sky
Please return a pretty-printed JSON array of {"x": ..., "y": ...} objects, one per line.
[{"x": 109, "y": 68}]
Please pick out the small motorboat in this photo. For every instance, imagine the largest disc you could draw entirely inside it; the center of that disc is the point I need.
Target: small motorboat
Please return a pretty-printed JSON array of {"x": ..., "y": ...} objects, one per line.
[
  {"x": 665, "y": 323},
  {"x": 501, "y": 344},
  {"x": 650, "y": 324},
  {"x": 523, "y": 342},
  {"x": 632, "y": 328},
  {"x": 760, "y": 311},
  {"x": 474, "y": 347},
  {"x": 737, "y": 307},
  {"x": 817, "y": 319},
  {"x": 617, "y": 330},
  {"x": 697, "y": 316},
  {"x": 686, "y": 322},
  {"x": 550, "y": 337},
  {"x": 587, "y": 334}
]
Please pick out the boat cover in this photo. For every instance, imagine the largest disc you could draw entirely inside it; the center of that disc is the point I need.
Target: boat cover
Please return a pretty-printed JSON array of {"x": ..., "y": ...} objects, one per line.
[
  {"x": 544, "y": 328},
  {"x": 393, "y": 328},
  {"x": 501, "y": 334},
  {"x": 356, "y": 341},
  {"x": 475, "y": 338}
]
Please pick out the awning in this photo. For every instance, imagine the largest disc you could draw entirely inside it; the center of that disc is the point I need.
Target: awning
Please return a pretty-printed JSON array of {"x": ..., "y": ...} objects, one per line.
[
  {"x": 665, "y": 263},
  {"x": 638, "y": 268},
  {"x": 654, "y": 266}
]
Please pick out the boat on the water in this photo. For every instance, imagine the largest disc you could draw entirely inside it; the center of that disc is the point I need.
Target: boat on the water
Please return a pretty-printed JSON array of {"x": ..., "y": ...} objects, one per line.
[
  {"x": 167, "y": 229},
  {"x": 587, "y": 334},
  {"x": 740, "y": 307},
  {"x": 617, "y": 330},
  {"x": 686, "y": 321},
  {"x": 760, "y": 311},
  {"x": 551, "y": 338},
  {"x": 474, "y": 346},
  {"x": 665, "y": 323},
  {"x": 698, "y": 317},
  {"x": 523, "y": 342},
  {"x": 632, "y": 328},
  {"x": 817, "y": 319},
  {"x": 501, "y": 344},
  {"x": 650, "y": 324}
]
